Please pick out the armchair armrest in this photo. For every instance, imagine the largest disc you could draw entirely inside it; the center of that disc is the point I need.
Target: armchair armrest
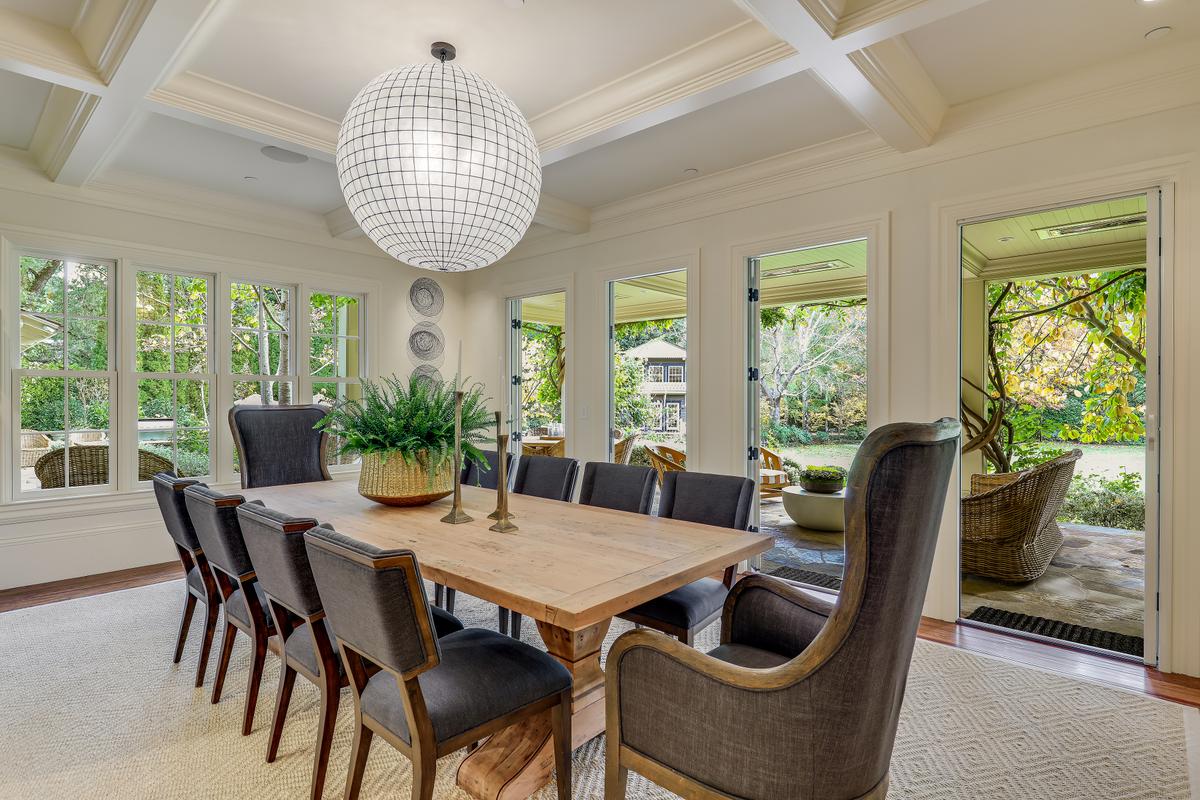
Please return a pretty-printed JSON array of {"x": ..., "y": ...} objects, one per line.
[{"x": 772, "y": 614}]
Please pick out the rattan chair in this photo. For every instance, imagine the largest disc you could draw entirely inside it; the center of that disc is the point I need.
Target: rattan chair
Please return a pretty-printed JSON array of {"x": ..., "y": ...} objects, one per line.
[
  {"x": 89, "y": 466},
  {"x": 34, "y": 445},
  {"x": 666, "y": 459},
  {"x": 623, "y": 449},
  {"x": 772, "y": 477},
  {"x": 1009, "y": 530}
]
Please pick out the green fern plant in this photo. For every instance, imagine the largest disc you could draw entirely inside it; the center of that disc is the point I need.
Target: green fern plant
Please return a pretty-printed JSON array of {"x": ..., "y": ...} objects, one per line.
[{"x": 413, "y": 420}]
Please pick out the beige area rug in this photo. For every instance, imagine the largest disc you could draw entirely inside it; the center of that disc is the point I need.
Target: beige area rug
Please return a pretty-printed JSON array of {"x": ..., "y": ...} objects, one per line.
[{"x": 91, "y": 707}]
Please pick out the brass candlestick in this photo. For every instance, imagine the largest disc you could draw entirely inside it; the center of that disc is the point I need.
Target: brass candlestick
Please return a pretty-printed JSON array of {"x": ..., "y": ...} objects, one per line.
[
  {"x": 457, "y": 516},
  {"x": 503, "y": 519}
]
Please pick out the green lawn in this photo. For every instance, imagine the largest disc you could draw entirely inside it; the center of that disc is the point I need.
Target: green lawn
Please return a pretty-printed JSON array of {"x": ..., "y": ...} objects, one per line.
[{"x": 1102, "y": 459}]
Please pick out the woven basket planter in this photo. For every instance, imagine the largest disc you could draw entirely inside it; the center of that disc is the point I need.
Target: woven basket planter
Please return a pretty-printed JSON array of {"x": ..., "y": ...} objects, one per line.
[{"x": 396, "y": 483}]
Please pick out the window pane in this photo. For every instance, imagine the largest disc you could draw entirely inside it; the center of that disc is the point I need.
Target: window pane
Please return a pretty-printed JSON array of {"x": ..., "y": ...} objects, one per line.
[
  {"x": 42, "y": 285},
  {"x": 153, "y": 348},
  {"x": 153, "y": 296},
  {"x": 87, "y": 405},
  {"x": 192, "y": 404},
  {"x": 87, "y": 290},
  {"x": 87, "y": 344},
  {"x": 243, "y": 305},
  {"x": 259, "y": 354},
  {"x": 155, "y": 405},
  {"x": 322, "y": 314},
  {"x": 323, "y": 363},
  {"x": 347, "y": 316},
  {"x": 275, "y": 307},
  {"x": 347, "y": 358},
  {"x": 42, "y": 404},
  {"x": 191, "y": 300},
  {"x": 191, "y": 349},
  {"x": 328, "y": 394},
  {"x": 41, "y": 343},
  {"x": 254, "y": 392},
  {"x": 192, "y": 454},
  {"x": 87, "y": 462}
]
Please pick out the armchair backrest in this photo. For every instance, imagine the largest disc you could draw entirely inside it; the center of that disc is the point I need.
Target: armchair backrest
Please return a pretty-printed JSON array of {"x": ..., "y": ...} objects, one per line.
[
  {"x": 375, "y": 600},
  {"x": 214, "y": 516},
  {"x": 275, "y": 542},
  {"x": 619, "y": 486},
  {"x": 546, "y": 476},
  {"x": 168, "y": 491},
  {"x": 723, "y": 500},
  {"x": 472, "y": 475},
  {"x": 278, "y": 444},
  {"x": 895, "y": 495}
]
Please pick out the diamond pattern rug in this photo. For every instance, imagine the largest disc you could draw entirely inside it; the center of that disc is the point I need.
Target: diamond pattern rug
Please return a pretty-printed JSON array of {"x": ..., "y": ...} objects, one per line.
[{"x": 91, "y": 707}]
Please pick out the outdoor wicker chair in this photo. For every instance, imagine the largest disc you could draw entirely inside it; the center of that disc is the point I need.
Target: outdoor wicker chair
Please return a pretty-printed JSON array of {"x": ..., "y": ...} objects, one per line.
[
  {"x": 666, "y": 459},
  {"x": 34, "y": 445},
  {"x": 1009, "y": 530},
  {"x": 623, "y": 449},
  {"x": 89, "y": 466}
]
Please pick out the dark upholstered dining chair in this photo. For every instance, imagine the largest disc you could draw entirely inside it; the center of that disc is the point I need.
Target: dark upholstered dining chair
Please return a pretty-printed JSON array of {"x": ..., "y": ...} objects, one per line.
[
  {"x": 722, "y": 500},
  {"x": 199, "y": 584},
  {"x": 550, "y": 477},
  {"x": 275, "y": 542},
  {"x": 802, "y": 697},
  {"x": 215, "y": 517},
  {"x": 618, "y": 486},
  {"x": 472, "y": 475},
  {"x": 431, "y": 696},
  {"x": 278, "y": 444}
]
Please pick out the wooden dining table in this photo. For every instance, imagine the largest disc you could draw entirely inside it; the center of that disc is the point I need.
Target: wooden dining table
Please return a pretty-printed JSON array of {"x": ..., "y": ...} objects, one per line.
[{"x": 571, "y": 568}]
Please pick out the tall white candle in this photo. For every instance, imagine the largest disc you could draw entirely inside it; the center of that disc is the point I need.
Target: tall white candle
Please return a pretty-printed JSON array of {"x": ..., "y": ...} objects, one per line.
[
  {"x": 458, "y": 374},
  {"x": 502, "y": 394}
]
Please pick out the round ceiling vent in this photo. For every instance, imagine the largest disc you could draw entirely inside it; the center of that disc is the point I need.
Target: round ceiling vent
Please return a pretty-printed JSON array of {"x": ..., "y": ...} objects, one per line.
[{"x": 283, "y": 156}]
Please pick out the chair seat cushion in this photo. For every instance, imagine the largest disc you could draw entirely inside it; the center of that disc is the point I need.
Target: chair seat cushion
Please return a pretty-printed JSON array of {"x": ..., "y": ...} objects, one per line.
[
  {"x": 743, "y": 655},
  {"x": 300, "y": 648},
  {"x": 483, "y": 675},
  {"x": 444, "y": 623},
  {"x": 686, "y": 606},
  {"x": 235, "y": 605}
]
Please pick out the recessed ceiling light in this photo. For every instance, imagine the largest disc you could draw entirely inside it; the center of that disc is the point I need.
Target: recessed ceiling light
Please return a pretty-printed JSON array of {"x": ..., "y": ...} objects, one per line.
[
  {"x": 283, "y": 156},
  {"x": 1005, "y": 239},
  {"x": 691, "y": 171},
  {"x": 1147, "y": 2},
  {"x": 249, "y": 177},
  {"x": 1158, "y": 33}
]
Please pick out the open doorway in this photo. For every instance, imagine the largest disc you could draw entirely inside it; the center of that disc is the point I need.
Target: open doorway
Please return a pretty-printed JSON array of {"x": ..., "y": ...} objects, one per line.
[
  {"x": 807, "y": 400},
  {"x": 1058, "y": 493},
  {"x": 538, "y": 355}
]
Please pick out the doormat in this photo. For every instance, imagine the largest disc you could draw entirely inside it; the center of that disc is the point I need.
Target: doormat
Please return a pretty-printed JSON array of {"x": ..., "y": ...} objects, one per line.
[
  {"x": 1064, "y": 631},
  {"x": 809, "y": 577}
]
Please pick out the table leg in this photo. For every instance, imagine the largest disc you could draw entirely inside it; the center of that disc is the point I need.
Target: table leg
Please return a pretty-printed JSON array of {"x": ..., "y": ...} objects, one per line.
[{"x": 519, "y": 760}]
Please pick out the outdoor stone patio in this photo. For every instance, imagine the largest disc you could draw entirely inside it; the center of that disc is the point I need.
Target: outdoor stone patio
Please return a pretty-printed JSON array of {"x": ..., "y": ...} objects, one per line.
[{"x": 1095, "y": 580}]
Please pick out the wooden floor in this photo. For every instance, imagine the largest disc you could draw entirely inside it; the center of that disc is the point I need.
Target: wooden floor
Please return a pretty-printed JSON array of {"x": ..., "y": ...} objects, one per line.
[{"x": 1063, "y": 660}]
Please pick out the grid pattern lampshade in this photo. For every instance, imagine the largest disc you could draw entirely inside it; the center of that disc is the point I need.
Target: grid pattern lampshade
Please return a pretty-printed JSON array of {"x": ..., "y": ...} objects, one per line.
[{"x": 439, "y": 167}]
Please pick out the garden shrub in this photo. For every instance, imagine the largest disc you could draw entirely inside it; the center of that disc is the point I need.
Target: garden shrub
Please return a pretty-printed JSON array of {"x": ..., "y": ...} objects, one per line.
[
  {"x": 188, "y": 463},
  {"x": 1106, "y": 502}
]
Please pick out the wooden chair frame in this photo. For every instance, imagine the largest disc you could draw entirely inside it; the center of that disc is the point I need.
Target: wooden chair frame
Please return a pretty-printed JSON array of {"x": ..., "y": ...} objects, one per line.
[
  {"x": 841, "y": 619},
  {"x": 423, "y": 749}
]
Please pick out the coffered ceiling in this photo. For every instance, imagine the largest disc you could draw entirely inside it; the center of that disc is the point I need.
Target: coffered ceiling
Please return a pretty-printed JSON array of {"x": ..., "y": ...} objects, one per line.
[{"x": 625, "y": 96}]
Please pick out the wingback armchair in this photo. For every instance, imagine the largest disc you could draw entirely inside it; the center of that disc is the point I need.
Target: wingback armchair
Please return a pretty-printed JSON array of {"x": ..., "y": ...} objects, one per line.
[{"x": 801, "y": 699}]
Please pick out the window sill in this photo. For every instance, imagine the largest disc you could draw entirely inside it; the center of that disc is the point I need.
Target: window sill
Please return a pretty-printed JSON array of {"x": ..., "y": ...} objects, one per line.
[{"x": 18, "y": 512}]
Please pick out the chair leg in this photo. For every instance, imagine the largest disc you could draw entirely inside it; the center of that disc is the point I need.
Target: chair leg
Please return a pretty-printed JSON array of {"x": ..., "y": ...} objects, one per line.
[
  {"x": 504, "y": 620},
  {"x": 210, "y": 629},
  {"x": 688, "y": 637},
  {"x": 359, "y": 750},
  {"x": 185, "y": 622},
  {"x": 616, "y": 777},
  {"x": 223, "y": 660},
  {"x": 253, "y": 679},
  {"x": 283, "y": 698},
  {"x": 516, "y": 625},
  {"x": 439, "y": 594},
  {"x": 561, "y": 724},
  {"x": 331, "y": 695},
  {"x": 424, "y": 764},
  {"x": 450, "y": 594}
]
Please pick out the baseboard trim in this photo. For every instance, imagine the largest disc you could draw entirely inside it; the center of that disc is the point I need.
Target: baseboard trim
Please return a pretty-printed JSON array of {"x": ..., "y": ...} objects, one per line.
[{"x": 74, "y": 588}]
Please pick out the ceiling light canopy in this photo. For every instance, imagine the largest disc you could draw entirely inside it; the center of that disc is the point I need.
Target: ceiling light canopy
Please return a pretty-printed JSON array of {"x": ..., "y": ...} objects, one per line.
[{"x": 438, "y": 166}]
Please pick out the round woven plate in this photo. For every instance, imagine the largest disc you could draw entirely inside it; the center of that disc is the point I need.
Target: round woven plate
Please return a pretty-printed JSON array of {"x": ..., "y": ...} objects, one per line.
[
  {"x": 427, "y": 372},
  {"x": 426, "y": 342},
  {"x": 425, "y": 298}
]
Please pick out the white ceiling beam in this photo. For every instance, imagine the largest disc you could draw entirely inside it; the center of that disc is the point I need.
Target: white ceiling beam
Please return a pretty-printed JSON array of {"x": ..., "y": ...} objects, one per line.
[
  {"x": 881, "y": 80},
  {"x": 40, "y": 50},
  {"x": 141, "y": 44},
  {"x": 342, "y": 225}
]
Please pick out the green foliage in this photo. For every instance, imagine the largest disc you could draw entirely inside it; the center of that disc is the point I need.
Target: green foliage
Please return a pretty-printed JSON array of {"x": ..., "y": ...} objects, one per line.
[
  {"x": 1027, "y": 455},
  {"x": 631, "y": 406},
  {"x": 782, "y": 435},
  {"x": 631, "y": 334},
  {"x": 414, "y": 420},
  {"x": 823, "y": 473},
  {"x": 543, "y": 362},
  {"x": 1107, "y": 502},
  {"x": 188, "y": 463}
]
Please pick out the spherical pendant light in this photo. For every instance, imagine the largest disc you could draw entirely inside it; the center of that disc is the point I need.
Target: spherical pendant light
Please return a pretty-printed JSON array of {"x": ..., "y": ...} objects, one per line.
[{"x": 438, "y": 166}]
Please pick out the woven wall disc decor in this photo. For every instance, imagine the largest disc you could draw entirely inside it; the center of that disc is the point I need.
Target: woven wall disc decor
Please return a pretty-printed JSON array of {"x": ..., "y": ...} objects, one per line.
[
  {"x": 426, "y": 299},
  {"x": 427, "y": 343},
  {"x": 427, "y": 372}
]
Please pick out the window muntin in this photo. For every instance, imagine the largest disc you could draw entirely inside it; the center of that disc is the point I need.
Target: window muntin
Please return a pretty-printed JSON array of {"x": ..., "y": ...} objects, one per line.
[
  {"x": 335, "y": 355},
  {"x": 64, "y": 377},
  {"x": 654, "y": 373},
  {"x": 675, "y": 373}
]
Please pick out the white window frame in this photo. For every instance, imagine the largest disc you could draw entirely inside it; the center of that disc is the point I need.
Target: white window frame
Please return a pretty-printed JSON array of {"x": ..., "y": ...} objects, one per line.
[
  {"x": 653, "y": 370},
  {"x": 12, "y": 298},
  {"x": 308, "y": 379},
  {"x": 672, "y": 423},
  {"x": 672, "y": 371}
]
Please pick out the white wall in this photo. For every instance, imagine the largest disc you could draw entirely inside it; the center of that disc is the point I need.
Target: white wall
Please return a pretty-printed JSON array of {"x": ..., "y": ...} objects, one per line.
[
  {"x": 51, "y": 540},
  {"x": 916, "y": 192}
]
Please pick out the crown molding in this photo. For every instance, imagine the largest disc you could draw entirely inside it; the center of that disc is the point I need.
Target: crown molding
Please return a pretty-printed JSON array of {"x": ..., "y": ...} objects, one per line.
[
  {"x": 62, "y": 121},
  {"x": 725, "y": 56},
  {"x": 40, "y": 50},
  {"x": 105, "y": 30},
  {"x": 1101, "y": 257},
  {"x": 1153, "y": 82},
  {"x": 973, "y": 261},
  {"x": 838, "y": 289},
  {"x": 896, "y": 73},
  {"x": 189, "y": 96},
  {"x": 827, "y": 13}
]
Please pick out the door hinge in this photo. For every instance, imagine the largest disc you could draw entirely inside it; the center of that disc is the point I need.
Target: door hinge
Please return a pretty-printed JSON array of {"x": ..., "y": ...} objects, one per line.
[
  {"x": 752, "y": 453},
  {"x": 516, "y": 380},
  {"x": 752, "y": 295},
  {"x": 753, "y": 529},
  {"x": 516, "y": 324},
  {"x": 516, "y": 437},
  {"x": 752, "y": 374}
]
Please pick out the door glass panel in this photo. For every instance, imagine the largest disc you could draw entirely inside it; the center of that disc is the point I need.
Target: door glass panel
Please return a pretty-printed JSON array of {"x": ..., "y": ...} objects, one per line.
[{"x": 539, "y": 353}]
